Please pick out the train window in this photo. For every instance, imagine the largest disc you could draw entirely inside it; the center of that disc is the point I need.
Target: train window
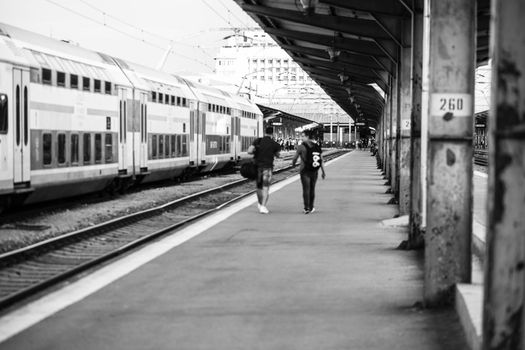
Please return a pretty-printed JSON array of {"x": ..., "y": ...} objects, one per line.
[
  {"x": 173, "y": 100},
  {"x": 17, "y": 118},
  {"x": 108, "y": 148},
  {"x": 26, "y": 116},
  {"x": 183, "y": 102},
  {"x": 153, "y": 96},
  {"x": 184, "y": 146},
  {"x": 172, "y": 146},
  {"x": 161, "y": 97},
  {"x": 154, "y": 147},
  {"x": 179, "y": 145},
  {"x": 98, "y": 86},
  {"x": 3, "y": 114},
  {"x": 86, "y": 84},
  {"x": 34, "y": 75},
  {"x": 209, "y": 107},
  {"x": 178, "y": 101},
  {"x": 73, "y": 81},
  {"x": 74, "y": 149},
  {"x": 47, "y": 144},
  {"x": 167, "y": 146},
  {"x": 161, "y": 146},
  {"x": 167, "y": 99},
  {"x": 98, "y": 148},
  {"x": 87, "y": 148},
  {"x": 107, "y": 88},
  {"x": 183, "y": 127},
  {"x": 46, "y": 76},
  {"x": 61, "y": 148},
  {"x": 61, "y": 79}
]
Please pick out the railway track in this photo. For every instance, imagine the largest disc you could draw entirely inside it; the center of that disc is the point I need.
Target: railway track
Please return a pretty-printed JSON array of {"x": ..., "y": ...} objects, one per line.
[
  {"x": 21, "y": 212},
  {"x": 29, "y": 270}
]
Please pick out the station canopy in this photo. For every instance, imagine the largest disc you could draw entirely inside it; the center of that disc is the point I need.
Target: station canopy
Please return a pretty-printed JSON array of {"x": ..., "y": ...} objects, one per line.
[
  {"x": 270, "y": 113},
  {"x": 349, "y": 47}
]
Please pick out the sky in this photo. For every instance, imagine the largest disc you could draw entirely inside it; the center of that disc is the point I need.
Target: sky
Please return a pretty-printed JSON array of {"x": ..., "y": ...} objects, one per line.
[{"x": 137, "y": 30}]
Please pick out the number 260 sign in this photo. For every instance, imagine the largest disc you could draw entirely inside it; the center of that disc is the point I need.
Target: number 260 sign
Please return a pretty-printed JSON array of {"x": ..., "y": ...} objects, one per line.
[{"x": 459, "y": 105}]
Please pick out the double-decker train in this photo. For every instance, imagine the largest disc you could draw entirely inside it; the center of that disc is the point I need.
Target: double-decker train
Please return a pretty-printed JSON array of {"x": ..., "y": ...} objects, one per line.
[{"x": 74, "y": 121}]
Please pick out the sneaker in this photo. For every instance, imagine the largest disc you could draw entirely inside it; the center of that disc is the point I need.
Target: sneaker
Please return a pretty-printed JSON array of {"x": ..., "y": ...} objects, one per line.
[
  {"x": 259, "y": 206},
  {"x": 313, "y": 210},
  {"x": 263, "y": 210},
  {"x": 306, "y": 211}
]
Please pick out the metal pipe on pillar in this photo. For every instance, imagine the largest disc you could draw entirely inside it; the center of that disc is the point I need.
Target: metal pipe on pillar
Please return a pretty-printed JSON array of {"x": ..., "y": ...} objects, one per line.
[
  {"x": 415, "y": 237},
  {"x": 388, "y": 119},
  {"x": 405, "y": 98},
  {"x": 450, "y": 151},
  {"x": 504, "y": 299}
]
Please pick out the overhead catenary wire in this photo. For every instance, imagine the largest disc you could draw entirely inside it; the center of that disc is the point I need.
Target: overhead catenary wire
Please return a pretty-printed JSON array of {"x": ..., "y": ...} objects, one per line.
[
  {"x": 217, "y": 13},
  {"x": 149, "y": 43},
  {"x": 139, "y": 29},
  {"x": 233, "y": 14}
]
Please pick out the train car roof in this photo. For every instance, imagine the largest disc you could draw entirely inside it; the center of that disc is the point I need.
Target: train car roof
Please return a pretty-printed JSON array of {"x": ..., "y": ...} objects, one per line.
[
  {"x": 42, "y": 51},
  {"x": 158, "y": 80},
  {"x": 210, "y": 94},
  {"x": 24, "y": 47},
  {"x": 244, "y": 104}
]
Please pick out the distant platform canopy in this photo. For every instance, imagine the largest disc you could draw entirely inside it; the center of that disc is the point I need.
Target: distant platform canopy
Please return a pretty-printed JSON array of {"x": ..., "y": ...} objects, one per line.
[
  {"x": 351, "y": 48},
  {"x": 285, "y": 123}
]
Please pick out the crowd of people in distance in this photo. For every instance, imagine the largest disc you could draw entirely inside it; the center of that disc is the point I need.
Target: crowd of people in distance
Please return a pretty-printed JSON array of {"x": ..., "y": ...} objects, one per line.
[{"x": 288, "y": 144}]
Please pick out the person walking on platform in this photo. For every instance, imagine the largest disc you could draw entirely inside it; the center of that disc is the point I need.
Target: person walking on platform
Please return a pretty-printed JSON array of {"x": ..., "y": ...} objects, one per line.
[
  {"x": 311, "y": 161},
  {"x": 264, "y": 150}
]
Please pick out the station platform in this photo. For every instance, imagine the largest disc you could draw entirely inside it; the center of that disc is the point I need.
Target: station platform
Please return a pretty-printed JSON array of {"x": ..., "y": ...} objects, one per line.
[{"x": 329, "y": 280}]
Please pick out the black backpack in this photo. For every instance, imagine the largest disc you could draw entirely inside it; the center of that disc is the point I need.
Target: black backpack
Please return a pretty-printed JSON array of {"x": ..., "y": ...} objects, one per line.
[
  {"x": 249, "y": 169},
  {"x": 313, "y": 157}
]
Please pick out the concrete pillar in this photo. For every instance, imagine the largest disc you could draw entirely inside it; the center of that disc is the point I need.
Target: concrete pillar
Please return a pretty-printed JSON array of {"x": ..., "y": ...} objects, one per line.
[
  {"x": 450, "y": 151},
  {"x": 415, "y": 237},
  {"x": 504, "y": 305},
  {"x": 405, "y": 104}
]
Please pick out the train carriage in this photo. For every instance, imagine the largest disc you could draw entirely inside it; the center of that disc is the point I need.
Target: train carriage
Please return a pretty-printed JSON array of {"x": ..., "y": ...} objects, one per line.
[
  {"x": 75, "y": 121},
  {"x": 168, "y": 113}
]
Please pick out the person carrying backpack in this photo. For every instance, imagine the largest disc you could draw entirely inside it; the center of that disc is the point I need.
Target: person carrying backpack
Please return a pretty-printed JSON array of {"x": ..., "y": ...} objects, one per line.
[
  {"x": 264, "y": 150},
  {"x": 311, "y": 161}
]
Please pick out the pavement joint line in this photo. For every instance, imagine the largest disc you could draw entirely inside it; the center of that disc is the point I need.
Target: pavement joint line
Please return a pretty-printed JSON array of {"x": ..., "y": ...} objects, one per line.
[{"x": 38, "y": 310}]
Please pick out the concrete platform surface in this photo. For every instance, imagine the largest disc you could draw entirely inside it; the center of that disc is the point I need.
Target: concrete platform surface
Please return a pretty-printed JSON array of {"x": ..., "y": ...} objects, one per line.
[{"x": 329, "y": 280}]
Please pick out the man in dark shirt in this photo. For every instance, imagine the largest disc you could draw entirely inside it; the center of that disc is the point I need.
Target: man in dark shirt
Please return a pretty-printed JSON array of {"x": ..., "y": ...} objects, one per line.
[
  {"x": 309, "y": 170},
  {"x": 264, "y": 150}
]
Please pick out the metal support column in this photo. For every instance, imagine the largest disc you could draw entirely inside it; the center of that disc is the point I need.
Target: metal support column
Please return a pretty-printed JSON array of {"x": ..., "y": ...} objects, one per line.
[
  {"x": 415, "y": 237},
  {"x": 504, "y": 301},
  {"x": 393, "y": 134},
  {"x": 405, "y": 102},
  {"x": 388, "y": 132},
  {"x": 449, "y": 186}
]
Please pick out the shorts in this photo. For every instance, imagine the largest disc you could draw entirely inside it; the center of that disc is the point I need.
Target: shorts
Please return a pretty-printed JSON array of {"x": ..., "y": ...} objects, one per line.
[{"x": 264, "y": 177}]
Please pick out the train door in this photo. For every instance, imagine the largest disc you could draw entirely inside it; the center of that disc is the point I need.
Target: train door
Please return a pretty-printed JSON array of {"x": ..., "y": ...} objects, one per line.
[
  {"x": 123, "y": 158},
  {"x": 194, "y": 140},
  {"x": 22, "y": 157},
  {"x": 202, "y": 133},
  {"x": 143, "y": 148}
]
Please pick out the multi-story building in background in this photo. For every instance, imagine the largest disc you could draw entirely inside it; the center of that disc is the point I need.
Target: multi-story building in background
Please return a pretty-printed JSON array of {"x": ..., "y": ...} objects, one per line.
[{"x": 251, "y": 63}]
